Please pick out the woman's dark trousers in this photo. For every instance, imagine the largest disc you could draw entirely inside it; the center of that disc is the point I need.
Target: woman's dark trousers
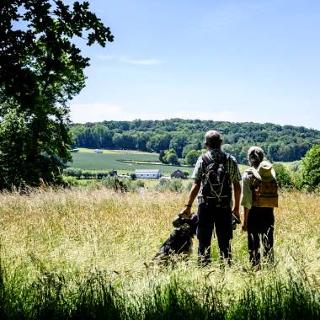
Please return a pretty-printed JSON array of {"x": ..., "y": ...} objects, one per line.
[
  {"x": 260, "y": 228},
  {"x": 211, "y": 217}
]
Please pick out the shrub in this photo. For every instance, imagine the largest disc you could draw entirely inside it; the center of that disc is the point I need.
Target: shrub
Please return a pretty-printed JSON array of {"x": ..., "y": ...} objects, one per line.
[
  {"x": 70, "y": 181},
  {"x": 174, "y": 185},
  {"x": 283, "y": 176},
  {"x": 120, "y": 185},
  {"x": 73, "y": 172},
  {"x": 310, "y": 168},
  {"x": 192, "y": 157}
]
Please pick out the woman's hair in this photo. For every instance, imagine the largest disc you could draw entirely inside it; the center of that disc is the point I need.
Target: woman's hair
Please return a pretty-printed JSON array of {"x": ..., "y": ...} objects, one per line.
[{"x": 255, "y": 156}]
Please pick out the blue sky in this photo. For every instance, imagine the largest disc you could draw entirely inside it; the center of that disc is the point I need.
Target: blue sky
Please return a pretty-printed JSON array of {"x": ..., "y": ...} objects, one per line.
[{"x": 219, "y": 60}]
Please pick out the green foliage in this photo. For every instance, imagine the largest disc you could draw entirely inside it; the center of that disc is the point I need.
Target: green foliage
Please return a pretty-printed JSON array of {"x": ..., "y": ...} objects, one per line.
[
  {"x": 19, "y": 167},
  {"x": 87, "y": 174},
  {"x": 41, "y": 69},
  {"x": 71, "y": 181},
  {"x": 174, "y": 185},
  {"x": 192, "y": 157},
  {"x": 283, "y": 176},
  {"x": 169, "y": 156},
  {"x": 281, "y": 143},
  {"x": 310, "y": 168},
  {"x": 120, "y": 185}
]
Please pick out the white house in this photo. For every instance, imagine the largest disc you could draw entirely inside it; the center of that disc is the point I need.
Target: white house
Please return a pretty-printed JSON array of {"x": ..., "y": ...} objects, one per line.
[{"x": 147, "y": 174}]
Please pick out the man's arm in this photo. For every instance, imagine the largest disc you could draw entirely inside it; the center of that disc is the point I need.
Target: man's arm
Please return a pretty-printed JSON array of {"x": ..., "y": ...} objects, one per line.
[
  {"x": 186, "y": 212},
  {"x": 237, "y": 194}
]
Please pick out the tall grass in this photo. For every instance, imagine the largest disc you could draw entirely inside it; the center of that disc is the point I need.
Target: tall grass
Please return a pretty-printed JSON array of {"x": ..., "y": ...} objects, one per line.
[{"x": 87, "y": 254}]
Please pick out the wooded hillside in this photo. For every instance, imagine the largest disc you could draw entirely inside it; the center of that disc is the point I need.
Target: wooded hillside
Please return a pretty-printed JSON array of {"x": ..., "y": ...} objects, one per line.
[{"x": 281, "y": 143}]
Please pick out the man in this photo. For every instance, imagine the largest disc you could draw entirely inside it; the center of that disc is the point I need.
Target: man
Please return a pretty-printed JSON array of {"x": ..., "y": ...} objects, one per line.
[
  {"x": 260, "y": 196},
  {"x": 215, "y": 173}
]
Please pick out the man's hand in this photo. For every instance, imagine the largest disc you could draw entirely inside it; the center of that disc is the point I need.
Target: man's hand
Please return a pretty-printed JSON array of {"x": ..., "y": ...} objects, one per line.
[
  {"x": 236, "y": 213},
  {"x": 185, "y": 213}
]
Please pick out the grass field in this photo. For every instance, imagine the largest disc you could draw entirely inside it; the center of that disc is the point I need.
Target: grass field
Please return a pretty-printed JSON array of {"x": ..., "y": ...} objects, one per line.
[
  {"x": 124, "y": 161},
  {"x": 86, "y": 254},
  {"x": 121, "y": 160}
]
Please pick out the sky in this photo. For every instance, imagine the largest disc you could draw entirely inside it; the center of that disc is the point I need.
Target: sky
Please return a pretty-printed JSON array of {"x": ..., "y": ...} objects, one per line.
[{"x": 224, "y": 60}]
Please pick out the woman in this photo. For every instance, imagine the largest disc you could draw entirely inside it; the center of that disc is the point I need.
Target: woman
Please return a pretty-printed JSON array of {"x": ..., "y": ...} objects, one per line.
[{"x": 260, "y": 196}]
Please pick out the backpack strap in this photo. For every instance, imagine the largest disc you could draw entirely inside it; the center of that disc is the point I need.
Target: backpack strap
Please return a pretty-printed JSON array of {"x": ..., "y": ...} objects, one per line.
[{"x": 208, "y": 160}]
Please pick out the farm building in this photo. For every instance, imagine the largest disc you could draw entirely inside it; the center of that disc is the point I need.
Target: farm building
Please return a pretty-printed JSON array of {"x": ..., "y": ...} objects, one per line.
[
  {"x": 147, "y": 174},
  {"x": 178, "y": 174}
]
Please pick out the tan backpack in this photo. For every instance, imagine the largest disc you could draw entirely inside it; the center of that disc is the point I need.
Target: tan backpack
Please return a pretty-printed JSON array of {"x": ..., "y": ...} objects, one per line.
[{"x": 264, "y": 186}]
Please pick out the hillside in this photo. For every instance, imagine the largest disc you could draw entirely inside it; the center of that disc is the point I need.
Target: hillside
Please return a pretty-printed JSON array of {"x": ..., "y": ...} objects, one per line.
[{"x": 281, "y": 143}]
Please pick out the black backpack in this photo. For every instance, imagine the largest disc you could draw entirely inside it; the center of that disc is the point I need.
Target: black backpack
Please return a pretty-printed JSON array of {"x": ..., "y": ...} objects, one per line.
[{"x": 216, "y": 186}]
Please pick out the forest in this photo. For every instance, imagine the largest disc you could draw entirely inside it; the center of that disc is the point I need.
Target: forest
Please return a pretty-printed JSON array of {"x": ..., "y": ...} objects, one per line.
[{"x": 184, "y": 137}]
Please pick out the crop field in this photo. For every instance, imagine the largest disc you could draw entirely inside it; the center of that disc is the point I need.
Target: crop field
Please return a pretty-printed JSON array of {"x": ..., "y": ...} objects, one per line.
[
  {"x": 87, "y": 253},
  {"x": 121, "y": 160}
]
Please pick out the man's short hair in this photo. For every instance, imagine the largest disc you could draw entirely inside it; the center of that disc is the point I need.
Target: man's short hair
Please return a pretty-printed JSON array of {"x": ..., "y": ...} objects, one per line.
[{"x": 212, "y": 139}]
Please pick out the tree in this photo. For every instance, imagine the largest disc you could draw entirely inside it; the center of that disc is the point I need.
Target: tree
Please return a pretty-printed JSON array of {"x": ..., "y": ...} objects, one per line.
[
  {"x": 162, "y": 156},
  {"x": 124, "y": 141},
  {"x": 178, "y": 142},
  {"x": 170, "y": 156},
  {"x": 310, "y": 168},
  {"x": 41, "y": 69},
  {"x": 192, "y": 157}
]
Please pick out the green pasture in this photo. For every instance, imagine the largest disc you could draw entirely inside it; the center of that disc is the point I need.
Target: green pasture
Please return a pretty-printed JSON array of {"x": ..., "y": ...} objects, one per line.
[{"x": 121, "y": 160}]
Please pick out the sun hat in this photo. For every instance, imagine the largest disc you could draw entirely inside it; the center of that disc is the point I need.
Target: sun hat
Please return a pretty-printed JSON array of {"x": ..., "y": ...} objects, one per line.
[{"x": 266, "y": 170}]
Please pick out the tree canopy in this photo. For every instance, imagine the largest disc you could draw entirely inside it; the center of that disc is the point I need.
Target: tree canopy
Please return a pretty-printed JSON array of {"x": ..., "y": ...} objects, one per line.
[
  {"x": 280, "y": 143},
  {"x": 41, "y": 69}
]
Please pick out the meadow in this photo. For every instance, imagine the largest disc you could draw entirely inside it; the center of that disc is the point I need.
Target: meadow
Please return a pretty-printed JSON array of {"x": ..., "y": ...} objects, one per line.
[
  {"x": 124, "y": 161},
  {"x": 87, "y": 253}
]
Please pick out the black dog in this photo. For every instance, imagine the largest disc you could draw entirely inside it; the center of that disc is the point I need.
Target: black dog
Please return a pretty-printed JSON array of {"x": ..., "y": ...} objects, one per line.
[{"x": 180, "y": 240}]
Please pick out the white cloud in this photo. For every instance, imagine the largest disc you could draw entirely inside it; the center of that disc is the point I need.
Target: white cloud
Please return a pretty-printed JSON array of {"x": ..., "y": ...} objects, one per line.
[
  {"x": 144, "y": 62},
  {"x": 106, "y": 57},
  {"x": 128, "y": 60}
]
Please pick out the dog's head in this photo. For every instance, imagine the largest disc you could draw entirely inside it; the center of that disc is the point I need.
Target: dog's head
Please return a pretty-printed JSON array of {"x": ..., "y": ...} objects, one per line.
[{"x": 186, "y": 223}]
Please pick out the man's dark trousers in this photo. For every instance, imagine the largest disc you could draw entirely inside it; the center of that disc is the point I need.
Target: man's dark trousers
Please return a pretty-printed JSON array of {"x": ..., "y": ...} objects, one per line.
[
  {"x": 211, "y": 217},
  {"x": 260, "y": 224}
]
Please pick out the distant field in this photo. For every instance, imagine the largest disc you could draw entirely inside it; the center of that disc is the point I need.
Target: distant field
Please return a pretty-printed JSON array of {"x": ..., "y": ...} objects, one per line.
[{"x": 121, "y": 160}]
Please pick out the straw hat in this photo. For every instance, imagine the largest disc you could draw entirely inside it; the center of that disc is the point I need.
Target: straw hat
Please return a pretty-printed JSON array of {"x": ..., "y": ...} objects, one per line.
[{"x": 266, "y": 170}]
